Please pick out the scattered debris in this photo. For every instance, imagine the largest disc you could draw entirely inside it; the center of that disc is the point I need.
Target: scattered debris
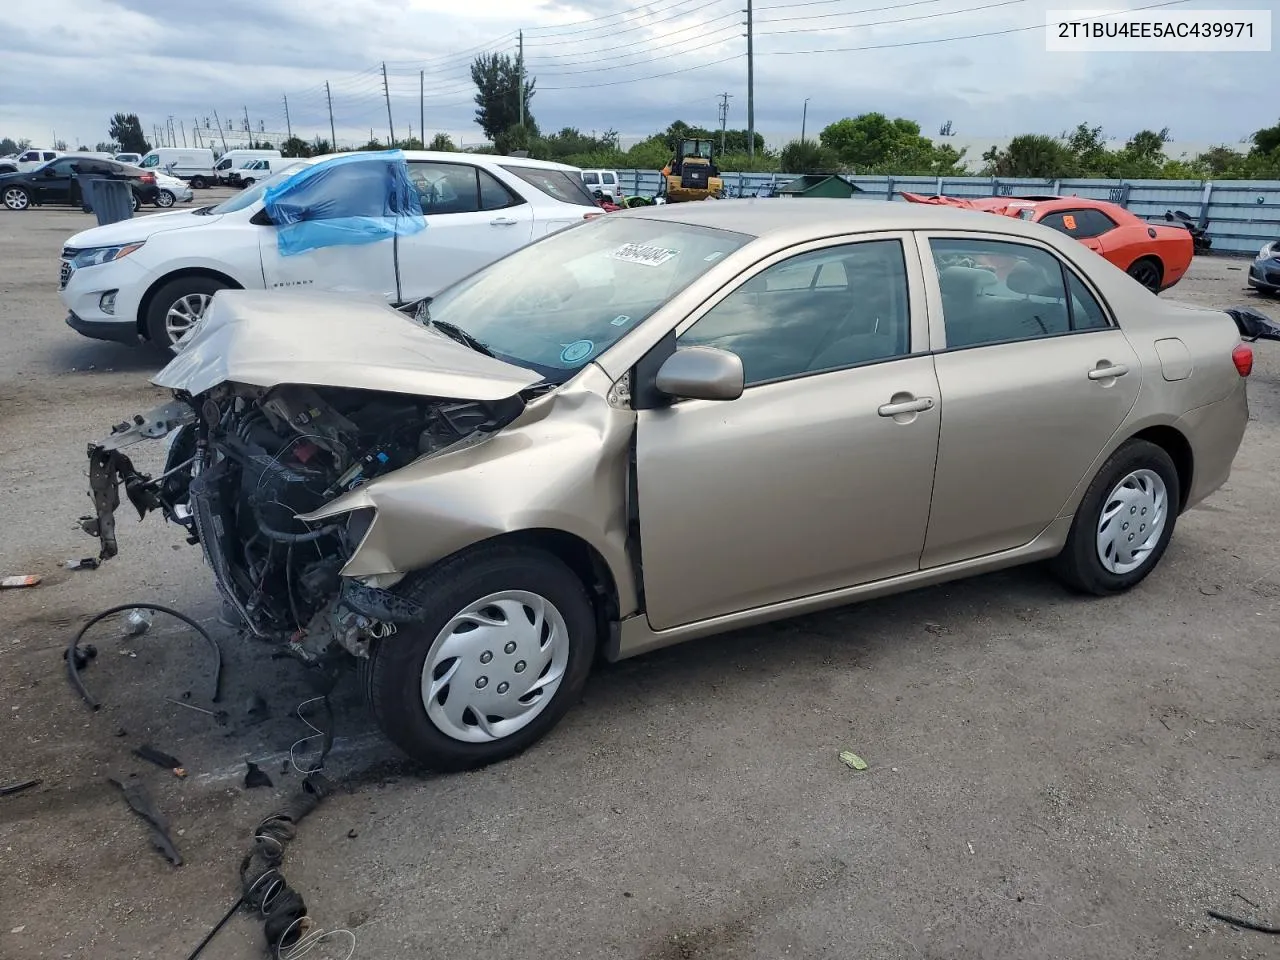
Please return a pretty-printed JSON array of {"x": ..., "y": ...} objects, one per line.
[
  {"x": 15, "y": 583},
  {"x": 160, "y": 759},
  {"x": 18, "y": 929},
  {"x": 936, "y": 629},
  {"x": 84, "y": 563},
  {"x": 970, "y": 846},
  {"x": 852, "y": 760},
  {"x": 1212, "y": 591},
  {"x": 219, "y": 716},
  {"x": 256, "y": 776},
  {"x": 137, "y": 622},
  {"x": 19, "y": 787},
  {"x": 83, "y": 655},
  {"x": 352, "y": 833},
  {"x": 136, "y": 795},
  {"x": 256, "y": 709},
  {"x": 1241, "y": 923}
]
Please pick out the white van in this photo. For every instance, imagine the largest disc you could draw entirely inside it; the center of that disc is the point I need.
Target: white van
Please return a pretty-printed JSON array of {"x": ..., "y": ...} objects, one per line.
[
  {"x": 193, "y": 164},
  {"x": 257, "y": 169},
  {"x": 605, "y": 181},
  {"x": 235, "y": 159}
]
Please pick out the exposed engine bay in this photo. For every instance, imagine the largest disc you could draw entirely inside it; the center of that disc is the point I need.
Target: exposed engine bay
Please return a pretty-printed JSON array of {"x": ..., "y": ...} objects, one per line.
[{"x": 244, "y": 462}]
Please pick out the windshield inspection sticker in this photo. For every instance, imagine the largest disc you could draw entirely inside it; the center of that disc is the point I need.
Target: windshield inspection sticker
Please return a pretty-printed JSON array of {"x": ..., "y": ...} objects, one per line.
[
  {"x": 577, "y": 351},
  {"x": 620, "y": 321},
  {"x": 640, "y": 253}
]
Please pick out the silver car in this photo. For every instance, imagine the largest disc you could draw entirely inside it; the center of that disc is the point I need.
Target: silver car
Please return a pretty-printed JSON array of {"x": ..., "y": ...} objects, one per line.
[{"x": 671, "y": 422}]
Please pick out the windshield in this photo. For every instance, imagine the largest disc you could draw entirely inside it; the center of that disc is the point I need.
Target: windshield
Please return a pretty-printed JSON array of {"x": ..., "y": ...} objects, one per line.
[
  {"x": 251, "y": 195},
  {"x": 557, "y": 304}
]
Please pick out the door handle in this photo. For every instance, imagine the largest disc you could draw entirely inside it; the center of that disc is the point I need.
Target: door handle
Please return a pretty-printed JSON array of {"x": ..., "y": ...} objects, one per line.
[
  {"x": 1107, "y": 372},
  {"x": 905, "y": 406},
  {"x": 503, "y": 222}
]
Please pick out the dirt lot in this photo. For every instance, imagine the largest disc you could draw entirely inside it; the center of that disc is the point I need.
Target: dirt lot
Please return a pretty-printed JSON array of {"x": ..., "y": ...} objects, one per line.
[{"x": 1049, "y": 776}]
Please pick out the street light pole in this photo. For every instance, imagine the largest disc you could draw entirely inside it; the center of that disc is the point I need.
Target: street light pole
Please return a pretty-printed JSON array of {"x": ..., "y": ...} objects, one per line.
[{"x": 804, "y": 118}]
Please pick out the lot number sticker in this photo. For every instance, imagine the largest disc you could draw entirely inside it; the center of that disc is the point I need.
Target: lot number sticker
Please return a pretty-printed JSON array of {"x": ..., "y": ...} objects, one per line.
[
  {"x": 1069, "y": 221},
  {"x": 641, "y": 253}
]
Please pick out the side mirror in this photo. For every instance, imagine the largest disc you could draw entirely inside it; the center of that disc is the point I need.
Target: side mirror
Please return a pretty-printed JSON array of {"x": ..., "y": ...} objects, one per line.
[
  {"x": 262, "y": 219},
  {"x": 701, "y": 373}
]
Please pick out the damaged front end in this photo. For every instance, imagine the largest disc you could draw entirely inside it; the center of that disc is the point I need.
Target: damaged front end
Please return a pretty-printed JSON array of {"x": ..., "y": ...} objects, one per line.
[{"x": 245, "y": 462}]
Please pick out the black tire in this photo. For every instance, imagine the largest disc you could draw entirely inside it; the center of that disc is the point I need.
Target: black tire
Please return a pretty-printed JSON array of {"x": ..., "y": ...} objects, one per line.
[
  {"x": 393, "y": 676},
  {"x": 198, "y": 183},
  {"x": 161, "y": 199},
  {"x": 1079, "y": 565},
  {"x": 246, "y": 183},
  {"x": 167, "y": 296},
  {"x": 12, "y": 201},
  {"x": 1149, "y": 272}
]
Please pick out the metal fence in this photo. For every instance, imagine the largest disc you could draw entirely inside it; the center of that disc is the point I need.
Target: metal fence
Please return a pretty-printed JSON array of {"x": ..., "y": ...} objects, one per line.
[{"x": 1242, "y": 215}]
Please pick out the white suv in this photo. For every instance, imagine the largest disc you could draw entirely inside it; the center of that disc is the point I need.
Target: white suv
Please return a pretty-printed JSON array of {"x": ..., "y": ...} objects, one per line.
[{"x": 153, "y": 277}]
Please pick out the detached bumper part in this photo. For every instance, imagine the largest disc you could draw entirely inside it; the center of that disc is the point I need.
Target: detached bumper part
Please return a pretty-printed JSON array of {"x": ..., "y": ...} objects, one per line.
[{"x": 117, "y": 331}]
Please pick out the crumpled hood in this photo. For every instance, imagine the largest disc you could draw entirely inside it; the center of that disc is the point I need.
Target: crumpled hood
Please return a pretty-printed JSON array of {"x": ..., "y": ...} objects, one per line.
[
  {"x": 268, "y": 337},
  {"x": 139, "y": 228}
]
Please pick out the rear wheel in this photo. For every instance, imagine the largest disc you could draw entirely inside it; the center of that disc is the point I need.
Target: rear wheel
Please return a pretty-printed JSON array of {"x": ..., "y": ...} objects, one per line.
[
  {"x": 1147, "y": 272},
  {"x": 135, "y": 204},
  {"x": 16, "y": 198},
  {"x": 1124, "y": 522},
  {"x": 198, "y": 183},
  {"x": 247, "y": 182},
  {"x": 500, "y": 654},
  {"x": 178, "y": 307}
]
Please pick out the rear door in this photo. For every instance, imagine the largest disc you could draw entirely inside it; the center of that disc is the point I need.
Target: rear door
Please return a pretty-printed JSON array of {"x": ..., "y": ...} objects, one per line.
[
  {"x": 1034, "y": 383},
  {"x": 472, "y": 220}
]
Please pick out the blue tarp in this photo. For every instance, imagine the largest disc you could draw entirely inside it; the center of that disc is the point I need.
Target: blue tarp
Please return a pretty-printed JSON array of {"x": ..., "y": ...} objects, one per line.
[{"x": 360, "y": 198}]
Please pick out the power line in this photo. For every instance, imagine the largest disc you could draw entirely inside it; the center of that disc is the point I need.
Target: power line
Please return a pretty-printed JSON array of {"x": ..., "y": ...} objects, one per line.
[
  {"x": 657, "y": 76},
  {"x": 557, "y": 32},
  {"x": 855, "y": 13},
  {"x": 615, "y": 34},
  {"x": 666, "y": 37},
  {"x": 881, "y": 23}
]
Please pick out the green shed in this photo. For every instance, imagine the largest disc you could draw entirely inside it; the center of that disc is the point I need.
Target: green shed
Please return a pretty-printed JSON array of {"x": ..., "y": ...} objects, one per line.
[{"x": 820, "y": 185}]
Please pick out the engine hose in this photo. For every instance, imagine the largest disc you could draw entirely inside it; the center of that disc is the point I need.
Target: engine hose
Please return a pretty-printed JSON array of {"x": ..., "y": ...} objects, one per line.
[
  {"x": 73, "y": 671},
  {"x": 280, "y": 536}
]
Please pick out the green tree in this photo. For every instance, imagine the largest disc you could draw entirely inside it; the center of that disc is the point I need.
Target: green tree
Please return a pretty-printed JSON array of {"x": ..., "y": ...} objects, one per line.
[
  {"x": 295, "y": 147},
  {"x": 498, "y": 94},
  {"x": 519, "y": 137},
  {"x": 1267, "y": 140},
  {"x": 320, "y": 147},
  {"x": 102, "y": 147},
  {"x": 809, "y": 156},
  {"x": 8, "y": 145},
  {"x": 1031, "y": 155},
  {"x": 126, "y": 130},
  {"x": 442, "y": 142},
  {"x": 872, "y": 143}
]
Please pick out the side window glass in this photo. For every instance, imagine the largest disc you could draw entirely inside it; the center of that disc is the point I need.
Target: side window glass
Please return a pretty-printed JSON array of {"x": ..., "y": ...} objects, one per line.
[
  {"x": 445, "y": 187},
  {"x": 150, "y": 161},
  {"x": 1096, "y": 223},
  {"x": 591, "y": 178},
  {"x": 1086, "y": 312},
  {"x": 494, "y": 195},
  {"x": 995, "y": 291},
  {"x": 818, "y": 311}
]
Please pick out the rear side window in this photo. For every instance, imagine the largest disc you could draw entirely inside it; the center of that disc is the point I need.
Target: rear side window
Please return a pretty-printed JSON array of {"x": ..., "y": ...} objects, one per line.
[
  {"x": 558, "y": 184},
  {"x": 1081, "y": 224},
  {"x": 591, "y": 178},
  {"x": 1086, "y": 312}
]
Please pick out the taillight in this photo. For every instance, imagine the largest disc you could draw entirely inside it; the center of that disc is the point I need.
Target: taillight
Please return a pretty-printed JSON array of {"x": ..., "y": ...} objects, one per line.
[
  {"x": 1242, "y": 357},
  {"x": 148, "y": 178}
]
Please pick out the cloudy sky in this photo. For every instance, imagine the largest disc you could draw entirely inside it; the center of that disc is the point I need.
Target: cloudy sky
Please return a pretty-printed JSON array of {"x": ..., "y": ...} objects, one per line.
[{"x": 606, "y": 63}]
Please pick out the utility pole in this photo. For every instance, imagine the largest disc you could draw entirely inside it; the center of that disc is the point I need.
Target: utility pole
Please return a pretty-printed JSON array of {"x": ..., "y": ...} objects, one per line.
[
  {"x": 248, "y": 129},
  {"x": 520, "y": 75},
  {"x": 333, "y": 137},
  {"x": 195, "y": 126},
  {"x": 724, "y": 118},
  {"x": 221, "y": 132},
  {"x": 386, "y": 89},
  {"x": 804, "y": 117},
  {"x": 288, "y": 125},
  {"x": 751, "y": 86},
  {"x": 184, "y": 132},
  {"x": 422, "y": 109}
]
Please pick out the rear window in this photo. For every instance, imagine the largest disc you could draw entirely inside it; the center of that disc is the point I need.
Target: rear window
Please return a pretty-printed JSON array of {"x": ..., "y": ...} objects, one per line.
[{"x": 558, "y": 184}]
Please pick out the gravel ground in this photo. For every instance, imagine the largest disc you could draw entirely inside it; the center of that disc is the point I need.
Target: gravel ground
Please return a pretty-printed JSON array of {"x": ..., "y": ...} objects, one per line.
[{"x": 1049, "y": 776}]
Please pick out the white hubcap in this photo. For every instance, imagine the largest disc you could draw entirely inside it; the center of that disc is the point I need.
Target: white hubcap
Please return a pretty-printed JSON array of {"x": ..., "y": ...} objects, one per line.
[
  {"x": 15, "y": 199},
  {"x": 1133, "y": 517},
  {"x": 495, "y": 666},
  {"x": 184, "y": 313}
]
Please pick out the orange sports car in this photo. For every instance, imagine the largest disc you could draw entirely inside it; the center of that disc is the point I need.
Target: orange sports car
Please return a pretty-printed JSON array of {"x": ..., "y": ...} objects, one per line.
[{"x": 1155, "y": 255}]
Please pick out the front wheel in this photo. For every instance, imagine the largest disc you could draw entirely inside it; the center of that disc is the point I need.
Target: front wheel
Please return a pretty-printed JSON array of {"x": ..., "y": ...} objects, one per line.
[
  {"x": 16, "y": 198},
  {"x": 1124, "y": 522},
  {"x": 500, "y": 654},
  {"x": 165, "y": 199},
  {"x": 178, "y": 307}
]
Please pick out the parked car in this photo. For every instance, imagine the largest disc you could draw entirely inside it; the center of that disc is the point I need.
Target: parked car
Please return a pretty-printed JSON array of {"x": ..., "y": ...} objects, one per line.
[
  {"x": 1155, "y": 255},
  {"x": 172, "y": 190},
  {"x": 1264, "y": 272},
  {"x": 130, "y": 158},
  {"x": 27, "y": 160},
  {"x": 233, "y": 160},
  {"x": 57, "y": 182},
  {"x": 605, "y": 181},
  {"x": 668, "y": 423},
  {"x": 192, "y": 164},
  {"x": 255, "y": 169},
  {"x": 476, "y": 208}
]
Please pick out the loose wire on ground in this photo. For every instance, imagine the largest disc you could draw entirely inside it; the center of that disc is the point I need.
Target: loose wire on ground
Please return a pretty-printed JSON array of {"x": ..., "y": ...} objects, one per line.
[
  {"x": 1242, "y": 923},
  {"x": 73, "y": 672}
]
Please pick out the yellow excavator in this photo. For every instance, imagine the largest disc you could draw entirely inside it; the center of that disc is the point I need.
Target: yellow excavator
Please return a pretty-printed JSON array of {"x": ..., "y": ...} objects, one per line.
[{"x": 691, "y": 174}]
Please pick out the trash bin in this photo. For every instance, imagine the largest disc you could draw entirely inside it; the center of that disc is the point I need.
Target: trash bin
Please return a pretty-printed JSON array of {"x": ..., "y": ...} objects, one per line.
[{"x": 110, "y": 200}]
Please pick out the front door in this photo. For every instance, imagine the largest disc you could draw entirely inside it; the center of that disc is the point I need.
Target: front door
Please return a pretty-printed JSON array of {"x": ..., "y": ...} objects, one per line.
[
  {"x": 1035, "y": 380},
  {"x": 472, "y": 220},
  {"x": 819, "y": 476},
  {"x": 53, "y": 181}
]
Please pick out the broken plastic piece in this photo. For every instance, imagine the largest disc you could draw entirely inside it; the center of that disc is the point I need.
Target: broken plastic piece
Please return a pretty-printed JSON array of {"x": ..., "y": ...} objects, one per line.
[
  {"x": 159, "y": 758},
  {"x": 256, "y": 776},
  {"x": 852, "y": 760},
  {"x": 84, "y": 563},
  {"x": 14, "y": 583},
  {"x": 136, "y": 795},
  {"x": 19, "y": 787},
  {"x": 137, "y": 622}
]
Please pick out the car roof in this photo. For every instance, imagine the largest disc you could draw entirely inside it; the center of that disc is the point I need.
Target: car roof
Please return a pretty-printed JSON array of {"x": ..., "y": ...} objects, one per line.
[
  {"x": 447, "y": 156},
  {"x": 818, "y": 217}
]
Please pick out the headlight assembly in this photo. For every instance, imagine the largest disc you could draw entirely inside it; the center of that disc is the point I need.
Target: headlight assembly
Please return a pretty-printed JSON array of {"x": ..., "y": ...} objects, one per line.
[{"x": 96, "y": 255}]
